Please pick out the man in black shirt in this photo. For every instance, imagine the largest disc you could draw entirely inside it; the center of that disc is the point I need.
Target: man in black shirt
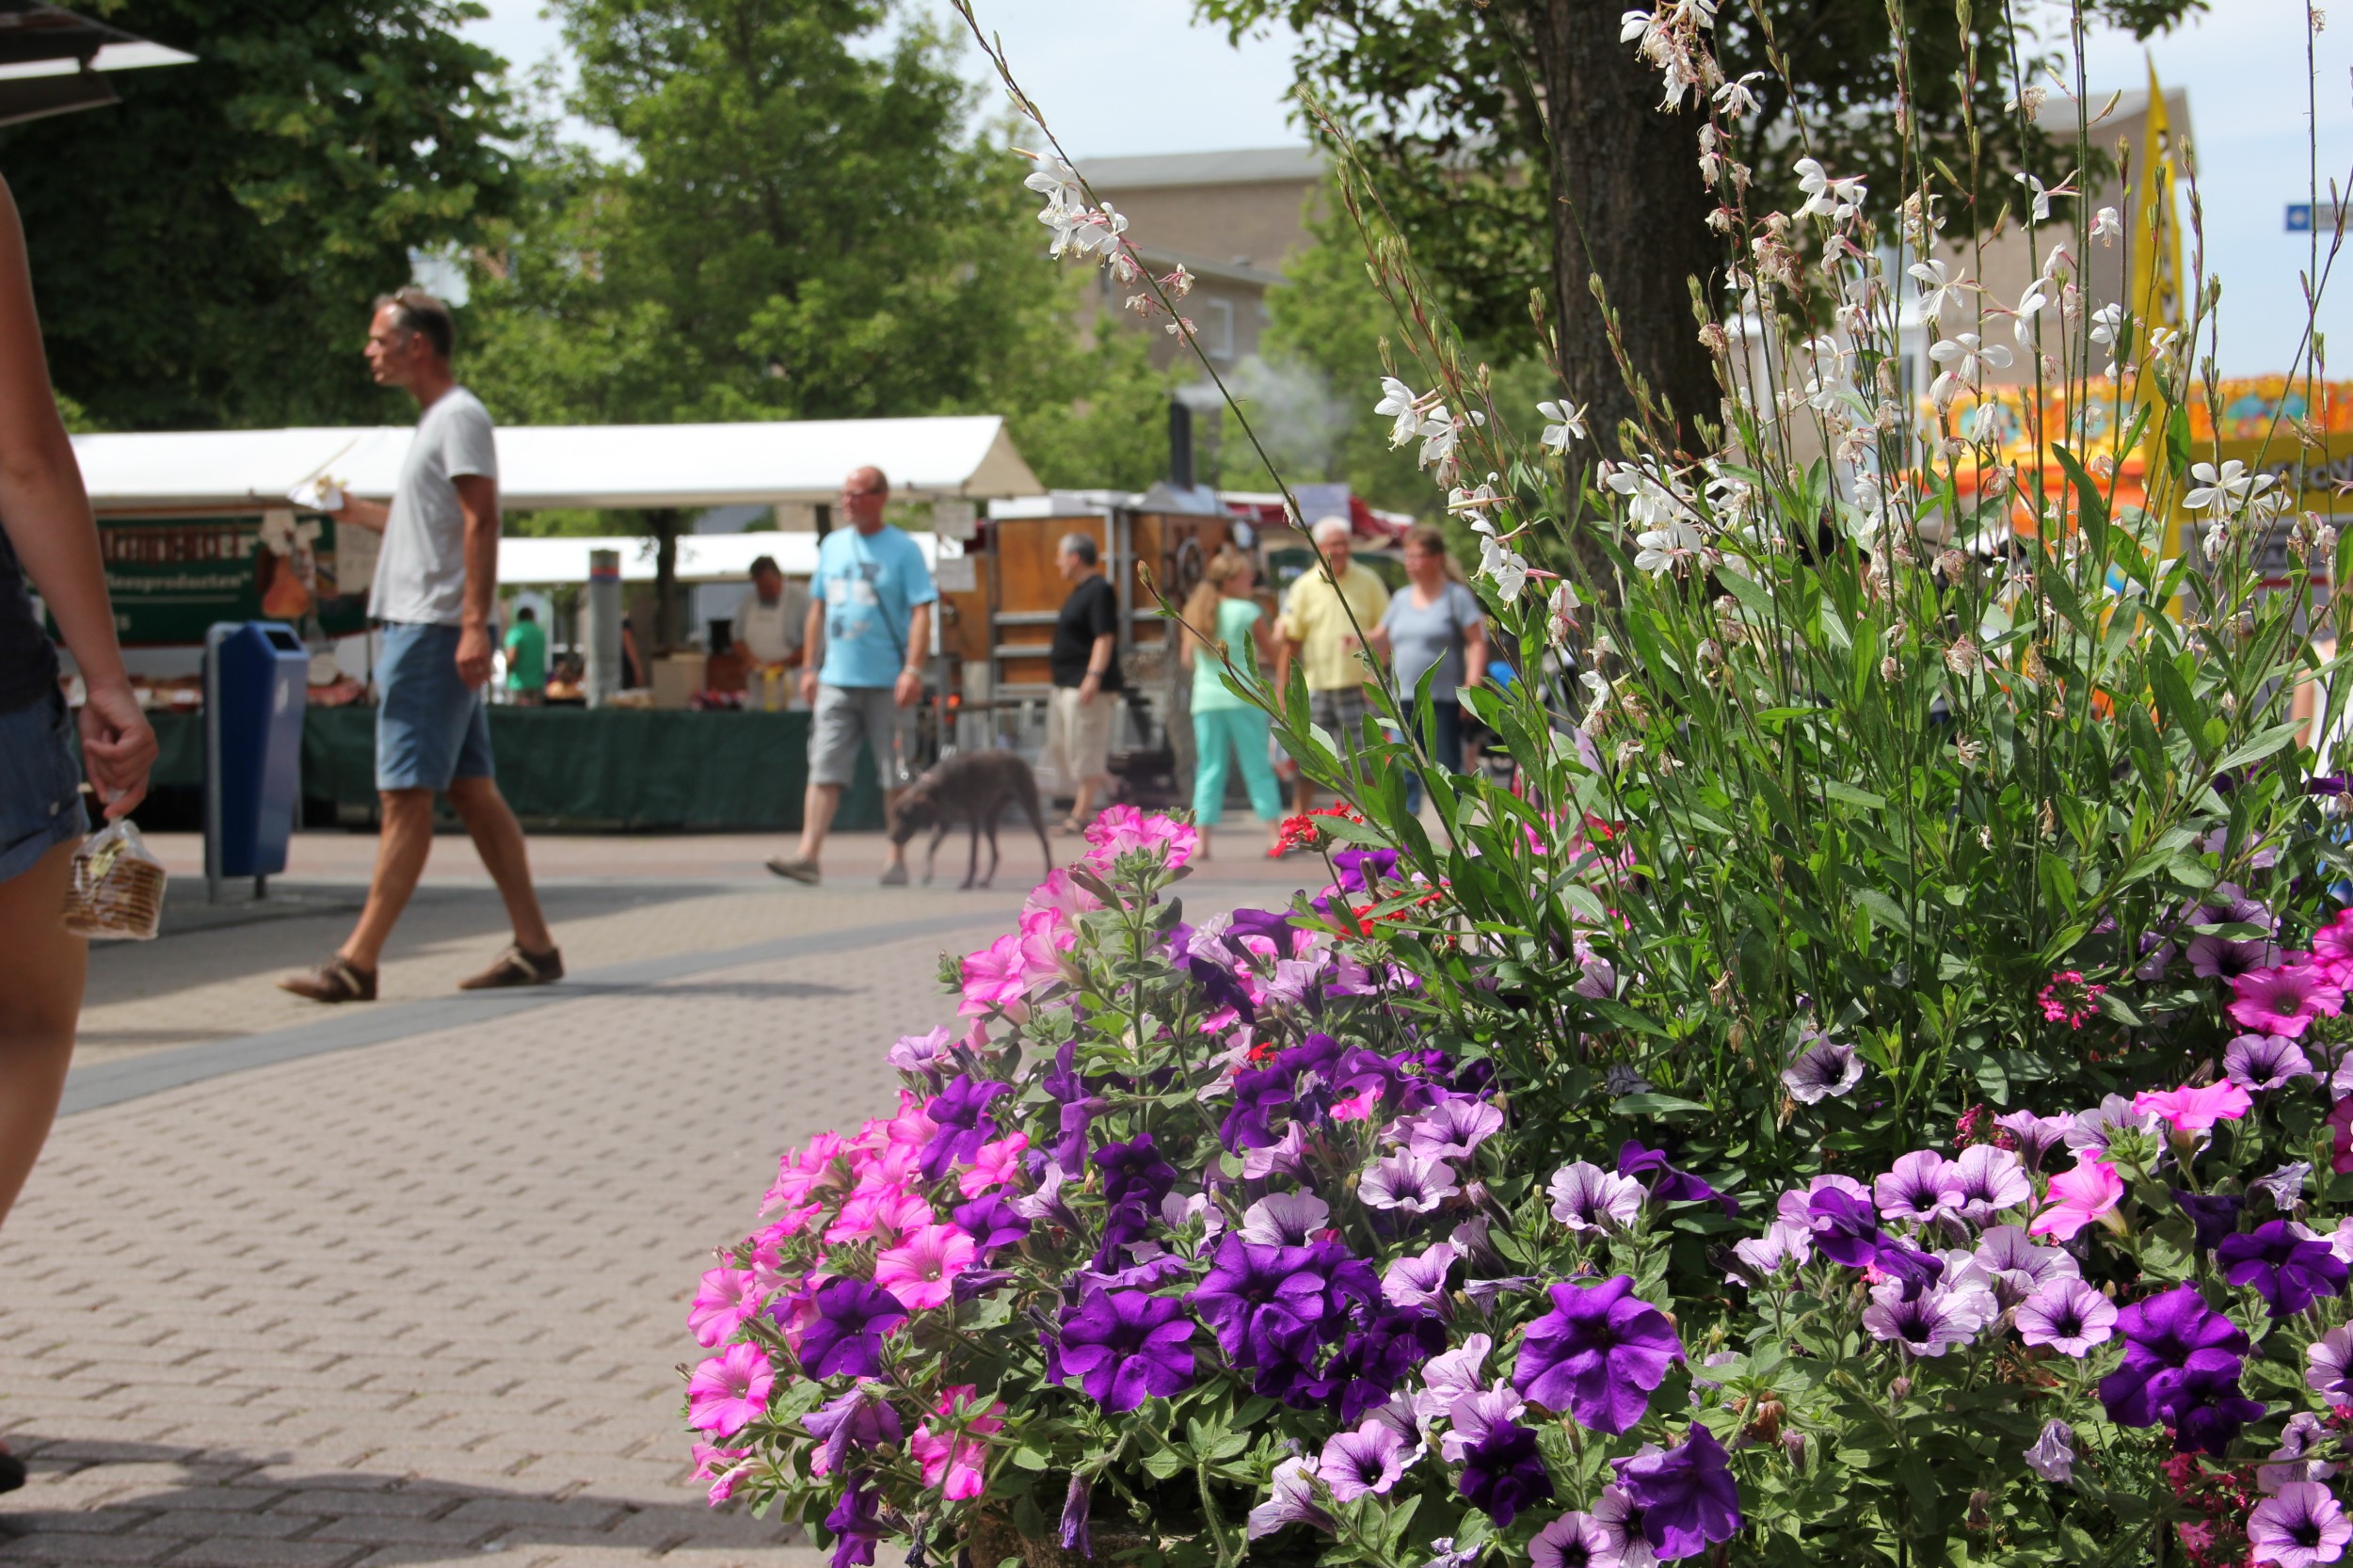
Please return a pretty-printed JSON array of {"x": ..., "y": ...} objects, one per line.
[{"x": 1085, "y": 664}]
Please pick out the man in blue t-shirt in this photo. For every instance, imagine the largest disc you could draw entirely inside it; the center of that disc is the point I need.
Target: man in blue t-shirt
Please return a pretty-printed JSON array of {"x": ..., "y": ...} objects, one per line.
[{"x": 870, "y": 613}]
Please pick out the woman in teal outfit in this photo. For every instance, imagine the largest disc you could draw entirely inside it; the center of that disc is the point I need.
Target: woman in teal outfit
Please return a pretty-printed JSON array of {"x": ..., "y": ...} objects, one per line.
[{"x": 1220, "y": 609}]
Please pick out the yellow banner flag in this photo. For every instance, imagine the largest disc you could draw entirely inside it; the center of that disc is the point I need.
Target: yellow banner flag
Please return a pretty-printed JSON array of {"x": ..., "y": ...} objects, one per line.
[{"x": 2154, "y": 295}]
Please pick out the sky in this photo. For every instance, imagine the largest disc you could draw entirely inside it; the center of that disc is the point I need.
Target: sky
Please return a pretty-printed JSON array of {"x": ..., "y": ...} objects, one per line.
[{"x": 1118, "y": 77}]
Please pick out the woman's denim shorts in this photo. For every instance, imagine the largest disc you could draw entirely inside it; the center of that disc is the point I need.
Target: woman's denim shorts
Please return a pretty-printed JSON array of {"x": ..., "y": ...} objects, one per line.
[{"x": 41, "y": 784}]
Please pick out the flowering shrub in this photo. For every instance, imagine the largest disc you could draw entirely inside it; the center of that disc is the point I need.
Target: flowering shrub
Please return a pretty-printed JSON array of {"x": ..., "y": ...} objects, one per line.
[{"x": 1195, "y": 1245}]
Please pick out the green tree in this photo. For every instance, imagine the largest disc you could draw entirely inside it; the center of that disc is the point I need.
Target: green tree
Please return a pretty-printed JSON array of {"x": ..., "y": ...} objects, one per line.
[
  {"x": 804, "y": 224},
  {"x": 1518, "y": 146},
  {"x": 205, "y": 251}
]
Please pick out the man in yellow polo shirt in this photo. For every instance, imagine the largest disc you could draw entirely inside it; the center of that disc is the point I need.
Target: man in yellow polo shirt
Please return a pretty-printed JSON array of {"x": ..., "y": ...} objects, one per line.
[{"x": 1316, "y": 629}]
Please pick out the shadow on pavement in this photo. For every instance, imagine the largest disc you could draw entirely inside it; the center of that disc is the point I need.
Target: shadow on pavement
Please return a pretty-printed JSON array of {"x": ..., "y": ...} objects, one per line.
[{"x": 89, "y": 1502}]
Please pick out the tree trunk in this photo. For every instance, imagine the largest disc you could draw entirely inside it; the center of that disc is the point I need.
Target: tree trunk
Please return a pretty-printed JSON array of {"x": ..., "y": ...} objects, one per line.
[
  {"x": 663, "y": 523},
  {"x": 1628, "y": 207}
]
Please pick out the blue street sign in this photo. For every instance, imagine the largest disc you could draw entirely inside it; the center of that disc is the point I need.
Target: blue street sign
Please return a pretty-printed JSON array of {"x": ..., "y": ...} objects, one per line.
[{"x": 2299, "y": 217}]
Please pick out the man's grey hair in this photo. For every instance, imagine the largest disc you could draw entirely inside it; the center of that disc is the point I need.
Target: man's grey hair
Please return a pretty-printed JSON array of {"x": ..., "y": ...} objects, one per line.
[
  {"x": 1328, "y": 529},
  {"x": 1082, "y": 546},
  {"x": 415, "y": 310}
]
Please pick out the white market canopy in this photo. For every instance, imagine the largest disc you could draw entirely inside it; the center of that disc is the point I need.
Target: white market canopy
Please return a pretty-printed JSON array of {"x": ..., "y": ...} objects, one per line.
[
  {"x": 963, "y": 457},
  {"x": 701, "y": 557}
]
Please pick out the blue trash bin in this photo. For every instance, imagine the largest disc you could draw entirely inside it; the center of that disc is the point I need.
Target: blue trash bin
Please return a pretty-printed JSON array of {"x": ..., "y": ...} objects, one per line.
[{"x": 256, "y": 685}]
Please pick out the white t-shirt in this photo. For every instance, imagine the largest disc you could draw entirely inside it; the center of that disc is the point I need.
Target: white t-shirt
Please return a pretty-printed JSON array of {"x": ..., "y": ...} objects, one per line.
[
  {"x": 421, "y": 572},
  {"x": 770, "y": 633}
]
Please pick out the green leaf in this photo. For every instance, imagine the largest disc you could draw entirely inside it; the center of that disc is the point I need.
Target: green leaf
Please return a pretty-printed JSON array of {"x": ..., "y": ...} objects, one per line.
[
  {"x": 1653, "y": 1105},
  {"x": 1853, "y": 796}
]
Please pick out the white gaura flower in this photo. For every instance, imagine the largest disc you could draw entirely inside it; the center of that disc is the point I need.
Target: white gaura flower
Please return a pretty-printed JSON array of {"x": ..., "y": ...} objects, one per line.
[
  {"x": 1738, "y": 99},
  {"x": 1663, "y": 549},
  {"x": 1560, "y": 613},
  {"x": 2038, "y": 198},
  {"x": 1634, "y": 25},
  {"x": 2107, "y": 323},
  {"x": 1962, "y": 355},
  {"x": 1055, "y": 180},
  {"x": 1563, "y": 422},
  {"x": 2026, "y": 325},
  {"x": 1698, "y": 13},
  {"x": 1399, "y": 401},
  {"x": 2107, "y": 227},
  {"x": 1501, "y": 565},
  {"x": 1837, "y": 200},
  {"x": 2215, "y": 492},
  {"x": 1940, "y": 291},
  {"x": 1440, "y": 432},
  {"x": 1472, "y": 504}
]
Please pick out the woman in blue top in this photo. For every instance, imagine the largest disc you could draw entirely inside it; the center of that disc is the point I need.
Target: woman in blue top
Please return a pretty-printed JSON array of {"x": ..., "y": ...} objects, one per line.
[
  {"x": 1224, "y": 611},
  {"x": 47, "y": 541},
  {"x": 1435, "y": 624}
]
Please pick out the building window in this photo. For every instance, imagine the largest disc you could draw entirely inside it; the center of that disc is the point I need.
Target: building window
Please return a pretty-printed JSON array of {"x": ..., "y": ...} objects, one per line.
[{"x": 1214, "y": 327}]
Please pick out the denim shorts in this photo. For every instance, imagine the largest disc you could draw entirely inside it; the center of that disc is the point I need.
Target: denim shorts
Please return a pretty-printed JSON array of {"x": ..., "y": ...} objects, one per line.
[
  {"x": 430, "y": 726},
  {"x": 41, "y": 784}
]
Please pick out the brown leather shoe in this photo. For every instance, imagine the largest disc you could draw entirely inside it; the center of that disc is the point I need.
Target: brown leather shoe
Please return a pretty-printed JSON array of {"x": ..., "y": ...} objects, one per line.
[
  {"x": 515, "y": 967},
  {"x": 336, "y": 978}
]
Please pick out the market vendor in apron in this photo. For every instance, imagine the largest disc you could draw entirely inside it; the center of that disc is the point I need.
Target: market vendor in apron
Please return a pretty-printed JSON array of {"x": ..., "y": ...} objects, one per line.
[{"x": 770, "y": 625}]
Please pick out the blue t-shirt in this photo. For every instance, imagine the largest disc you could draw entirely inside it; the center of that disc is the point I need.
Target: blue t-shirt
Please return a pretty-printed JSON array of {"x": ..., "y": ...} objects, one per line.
[{"x": 871, "y": 586}]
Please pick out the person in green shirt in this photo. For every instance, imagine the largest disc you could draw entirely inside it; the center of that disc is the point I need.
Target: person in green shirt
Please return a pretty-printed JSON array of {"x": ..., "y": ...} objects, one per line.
[
  {"x": 527, "y": 660},
  {"x": 1222, "y": 611}
]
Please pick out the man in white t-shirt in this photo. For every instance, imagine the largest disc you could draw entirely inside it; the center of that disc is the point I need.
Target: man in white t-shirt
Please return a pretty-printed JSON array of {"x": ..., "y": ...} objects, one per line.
[
  {"x": 771, "y": 624},
  {"x": 436, "y": 584}
]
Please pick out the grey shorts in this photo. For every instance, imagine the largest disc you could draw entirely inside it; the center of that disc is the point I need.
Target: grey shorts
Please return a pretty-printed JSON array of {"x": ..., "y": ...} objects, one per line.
[
  {"x": 40, "y": 783},
  {"x": 1341, "y": 716},
  {"x": 847, "y": 715}
]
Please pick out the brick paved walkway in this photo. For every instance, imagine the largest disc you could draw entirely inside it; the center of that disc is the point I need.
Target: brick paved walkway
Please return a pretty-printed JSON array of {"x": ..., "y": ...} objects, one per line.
[{"x": 422, "y": 1301}]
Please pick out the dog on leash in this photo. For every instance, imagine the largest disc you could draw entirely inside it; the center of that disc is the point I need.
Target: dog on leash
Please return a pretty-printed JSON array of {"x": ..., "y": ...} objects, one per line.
[{"x": 973, "y": 788}]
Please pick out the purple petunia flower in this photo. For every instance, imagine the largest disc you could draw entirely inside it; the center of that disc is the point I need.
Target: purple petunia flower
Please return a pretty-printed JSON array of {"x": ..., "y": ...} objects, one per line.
[
  {"x": 855, "y": 1524},
  {"x": 2053, "y": 1456},
  {"x": 1586, "y": 1197},
  {"x": 2289, "y": 1271},
  {"x": 1264, "y": 1303},
  {"x": 1502, "y": 1470},
  {"x": 1451, "y": 1129},
  {"x": 1911, "y": 1269},
  {"x": 1990, "y": 1180},
  {"x": 961, "y": 1110},
  {"x": 2261, "y": 1062},
  {"x": 1825, "y": 1069},
  {"x": 1124, "y": 1347},
  {"x": 1666, "y": 1183},
  {"x": 2212, "y": 1215},
  {"x": 1921, "y": 1187},
  {"x": 1451, "y": 1376},
  {"x": 1574, "y": 1541},
  {"x": 1687, "y": 1498},
  {"x": 1597, "y": 1355},
  {"x": 861, "y": 1418},
  {"x": 2284, "y": 1187},
  {"x": 2017, "y": 1265},
  {"x": 1846, "y": 1230},
  {"x": 1078, "y": 1504},
  {"x": 2165, "y": 1337},
  {"x": 2296, "y": 1458},
  {"x": 921, "y": 1053},
  {"x": 1134, "y": 1170},
  {"x": 2092, "y": 1128},
  {"x": 2209, "y": 1410},
  {"x": 2329, "y": 1365},
  {"x": 853, "y": 1315},
  {"x": 2036, "y": 1135},
  {"x": 1420, "y": 1281},
  {"x": 2215, "y": 956},
  {"x": 1621, "y": 1526},
  {"x": 1928, "y": 1322},
  {"x": 2068, "y": 1314},
  {"x": 1762, "y": 1256},
  {"x": 991, "y": 1222},
  {"x": 1407, "y": 1182},
  {"x": 1284, "y": 1219},
  {"x": 1366, "y": 1461},
  {"x": 2302, "y": 1527},
  {"x": 1293, "y": 1500},
  {"x": 1285, "y": 1156}
]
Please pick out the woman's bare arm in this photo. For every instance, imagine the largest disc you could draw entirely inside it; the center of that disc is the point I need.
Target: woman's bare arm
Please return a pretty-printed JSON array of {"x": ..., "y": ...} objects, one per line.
[{"x": 46, "y": 513}]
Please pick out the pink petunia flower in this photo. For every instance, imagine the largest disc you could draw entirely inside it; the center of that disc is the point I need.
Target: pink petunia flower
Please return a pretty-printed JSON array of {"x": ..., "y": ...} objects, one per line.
[
  {"x": 2193, "y": 1111},
  {"x": 723, "y": 1469},
  {"x": 1061, "y": 894},
  {"x": 2284, "y": 1000},
  {"x": 888, "y": 1214},
  {"x": 729, "y": 1391},
  {"x": 1121, "y": 830},
  {"x": 727, "y": 1298},
  {"x": 956, "y": 1458},
  {"x": 803, "y": 1174},
  {"x": 920, "y": 1270},
  {"x": 1357, "y": 1106},
  {"x": 994, "y": 1164},
  {"x": 2332, "y": 947},
  {"x": 1003, "y": 975},
  {"x": 910, "y": 1127},
  {"x": 2341, "y": 1135},
  {"x": 2079, "y": 1196}
]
